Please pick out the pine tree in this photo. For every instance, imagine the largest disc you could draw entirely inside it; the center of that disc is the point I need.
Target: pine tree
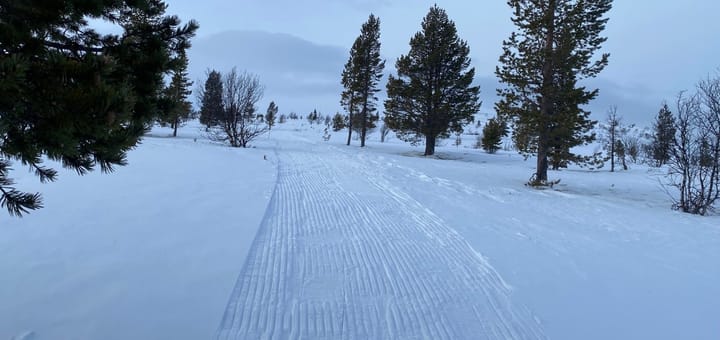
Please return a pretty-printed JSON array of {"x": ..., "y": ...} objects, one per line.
[
  {"x": 313, "y": 117},
  {"x": 271, "y": 114},
  {"x": 73, "y": 95},
  {"x": 541, "y": 66},
  {"x": 211, "y": 101},
  {"x": 348, "y": 98},
  {"x": 493, "y": 132},
  {"x": 432, "y": 94},
  {"x": 338, "y": 122},
  {"x": 361, "y": 76},
  {"x": 664, "y": 136},
  {"x": 177, "y": 109}
]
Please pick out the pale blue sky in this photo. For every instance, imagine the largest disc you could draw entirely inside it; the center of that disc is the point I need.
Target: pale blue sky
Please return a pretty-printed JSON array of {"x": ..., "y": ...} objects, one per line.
[{"x": 657, "y": 47}]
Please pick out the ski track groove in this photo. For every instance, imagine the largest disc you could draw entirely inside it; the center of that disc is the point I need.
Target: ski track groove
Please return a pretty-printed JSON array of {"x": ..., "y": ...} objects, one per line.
[{"x": 342, "y": 253}]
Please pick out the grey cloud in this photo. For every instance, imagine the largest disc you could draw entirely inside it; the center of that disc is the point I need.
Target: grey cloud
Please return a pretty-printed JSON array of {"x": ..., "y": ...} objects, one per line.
[{"x": 298, "y": 73}]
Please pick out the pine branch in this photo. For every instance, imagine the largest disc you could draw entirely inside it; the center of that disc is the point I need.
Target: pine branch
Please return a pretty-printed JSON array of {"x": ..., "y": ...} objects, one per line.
[{"x": 19, "y": 203}]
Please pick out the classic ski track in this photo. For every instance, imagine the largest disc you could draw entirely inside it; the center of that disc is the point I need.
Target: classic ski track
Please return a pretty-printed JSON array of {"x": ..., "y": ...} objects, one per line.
[{"x": 332, "y": 263}]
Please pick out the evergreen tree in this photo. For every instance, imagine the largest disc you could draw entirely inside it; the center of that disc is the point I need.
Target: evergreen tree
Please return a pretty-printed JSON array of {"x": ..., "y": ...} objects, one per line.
[
  {"x": 177, "y": 109},
  {"x": 73, "y": 95},
  {"x": 541, "y": 66},
  {"x": 493, "y": 132},
  {"x": 432, "y": 94},
  {"x": 348, "y": 98},
  {"x": 211, "y": 99},
  {"x": 664, "y": 136},
  {"x": 361, "y": 77},
  {"x": 338, "y": 122},
  {"x": 313, "y": 117},
  {"x": 271, "y": 115}
]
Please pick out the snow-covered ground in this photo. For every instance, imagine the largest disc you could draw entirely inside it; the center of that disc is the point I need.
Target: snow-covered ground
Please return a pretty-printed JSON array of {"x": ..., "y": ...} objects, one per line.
[{"x": 196, "y": 241}]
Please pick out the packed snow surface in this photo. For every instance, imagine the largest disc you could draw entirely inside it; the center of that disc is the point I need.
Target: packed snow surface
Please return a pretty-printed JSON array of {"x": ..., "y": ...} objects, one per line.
[{"x": 305, "y": 238}]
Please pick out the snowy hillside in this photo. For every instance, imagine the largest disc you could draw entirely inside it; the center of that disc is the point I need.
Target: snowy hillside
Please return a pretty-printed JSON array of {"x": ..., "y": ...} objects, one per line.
[{"x": 304, "y": 238}]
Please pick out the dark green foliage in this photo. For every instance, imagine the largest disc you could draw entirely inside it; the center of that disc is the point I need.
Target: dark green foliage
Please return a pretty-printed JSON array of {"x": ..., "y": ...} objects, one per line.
[
  {"x": 177, "y": 109},
  {"x": 706, "y": 157},
  {"x": 313, "y": 117},
  {"x": 432, "y": 95},
  {"x": 493, "y": 132},
  {"x": 360, "y": 78},
  {"x": 370, "y": 123},
  {"x": 271, "y": 115},
  {"x": 663, "y": 137},
  {"x": 77, "y": 96},
  {"x": 16, "y": 202},
  {"x": 541, "y": 66},
  {"x": 338, "y": 122},
  {"x": 211, "y": 101}
]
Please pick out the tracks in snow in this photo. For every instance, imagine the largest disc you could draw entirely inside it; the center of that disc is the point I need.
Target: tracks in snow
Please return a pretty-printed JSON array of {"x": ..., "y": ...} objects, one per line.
[{"x": 344, "y": 254}]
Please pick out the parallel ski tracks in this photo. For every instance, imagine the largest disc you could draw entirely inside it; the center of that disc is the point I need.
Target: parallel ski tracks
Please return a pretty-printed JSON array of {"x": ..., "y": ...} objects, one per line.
[{"x": 344, "y": 254}]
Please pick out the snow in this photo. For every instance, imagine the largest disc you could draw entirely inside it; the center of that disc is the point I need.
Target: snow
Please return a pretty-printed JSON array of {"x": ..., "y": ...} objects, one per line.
[
  {"x": 194, "y": 240},
  {"x": 151, "y": 251}
]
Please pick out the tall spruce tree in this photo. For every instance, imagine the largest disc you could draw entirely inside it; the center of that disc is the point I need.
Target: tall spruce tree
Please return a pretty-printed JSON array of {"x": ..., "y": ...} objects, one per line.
[
  {"x": 271, "y": 115},
  {"x": 432, "y": 94},
  {"x": 211, "y": 99},
  {"x": 177, "y": 109},
  {"x": 361, "y": 77},
  {"x": 348, "y": 98},
  {"x": 541, "y": 66},
  {"x": 76, "y": 96},
  {"x": 663, "y": 136}
]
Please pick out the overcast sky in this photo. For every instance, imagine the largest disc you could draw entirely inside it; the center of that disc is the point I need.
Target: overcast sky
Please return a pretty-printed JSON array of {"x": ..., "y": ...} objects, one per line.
[{"x": 657, "y": 47}]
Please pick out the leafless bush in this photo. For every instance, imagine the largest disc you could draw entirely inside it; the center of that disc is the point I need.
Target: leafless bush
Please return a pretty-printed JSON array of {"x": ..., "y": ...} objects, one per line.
[
  {"x": 694, "y": 167},
  {"x": 239, "y": 124}
]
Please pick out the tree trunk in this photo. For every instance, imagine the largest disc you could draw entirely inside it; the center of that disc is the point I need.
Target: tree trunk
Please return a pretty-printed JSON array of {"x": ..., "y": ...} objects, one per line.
[
  {"x": 362, "y": 137},
  {"x": 350, "y": 126},
  {"x": 546, "y": 103},
  {"x": 430, "y": 145},
  {"x": 175, "y": 125},
  {"x": 612, "y": 150},
  {"x": 350, "y": 120},
  {"x": 363, "y": 126},
  {"x": 363, "y": 130},
  {"x": 542, "y": 161}
]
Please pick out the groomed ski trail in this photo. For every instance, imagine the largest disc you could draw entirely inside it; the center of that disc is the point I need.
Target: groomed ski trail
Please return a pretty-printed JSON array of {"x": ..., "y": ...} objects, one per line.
[{"x": 344, "y": 254}]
